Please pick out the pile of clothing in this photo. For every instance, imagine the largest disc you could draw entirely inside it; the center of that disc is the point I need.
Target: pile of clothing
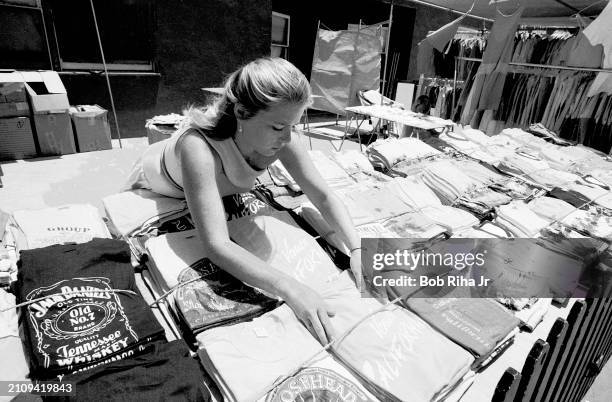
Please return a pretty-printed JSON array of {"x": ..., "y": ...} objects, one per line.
[{"x": 83, "y": 319}]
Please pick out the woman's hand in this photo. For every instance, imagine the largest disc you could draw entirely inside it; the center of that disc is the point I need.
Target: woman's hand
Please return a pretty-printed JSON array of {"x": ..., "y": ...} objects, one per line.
[{"x": 312, "y": 311}]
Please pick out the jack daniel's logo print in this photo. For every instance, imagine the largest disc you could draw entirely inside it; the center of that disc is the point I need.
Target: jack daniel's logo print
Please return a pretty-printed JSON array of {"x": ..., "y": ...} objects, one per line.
[
  {"x": 80, "y": 322},
  {"x": 317, "y": 385}
]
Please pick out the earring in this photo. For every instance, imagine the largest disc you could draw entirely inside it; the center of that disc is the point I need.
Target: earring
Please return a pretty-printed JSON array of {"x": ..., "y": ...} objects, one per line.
[{"x": 240, "y": 129}]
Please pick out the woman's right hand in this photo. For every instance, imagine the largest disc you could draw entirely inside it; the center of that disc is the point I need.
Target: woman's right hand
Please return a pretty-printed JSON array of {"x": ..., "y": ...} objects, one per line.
[{"x": 312, "y": 310}]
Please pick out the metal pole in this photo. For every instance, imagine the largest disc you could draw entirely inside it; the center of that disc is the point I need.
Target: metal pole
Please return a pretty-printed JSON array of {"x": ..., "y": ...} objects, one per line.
[
  {"x": 387, "y": 54},
  {"x": 426, "y": 3},
  {"x": 454, "y": 89},
  {"x": 110, "y": 92}
]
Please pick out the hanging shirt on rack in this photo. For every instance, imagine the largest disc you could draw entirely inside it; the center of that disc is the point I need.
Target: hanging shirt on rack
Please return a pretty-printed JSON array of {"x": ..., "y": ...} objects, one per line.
[{"x": 599, "y": 32}]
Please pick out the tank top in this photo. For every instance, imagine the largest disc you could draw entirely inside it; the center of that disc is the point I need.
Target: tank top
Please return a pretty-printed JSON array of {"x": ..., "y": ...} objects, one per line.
[{"x": 163, "y": 170}]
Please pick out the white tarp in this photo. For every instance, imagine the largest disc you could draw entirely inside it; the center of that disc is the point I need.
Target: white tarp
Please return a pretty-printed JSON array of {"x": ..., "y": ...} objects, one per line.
[{"x": 344, "y": 62}]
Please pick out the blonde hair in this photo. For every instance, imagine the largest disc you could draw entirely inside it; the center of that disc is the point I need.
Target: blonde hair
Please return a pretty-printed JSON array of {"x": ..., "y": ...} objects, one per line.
[{"x": 254, "y": 87}]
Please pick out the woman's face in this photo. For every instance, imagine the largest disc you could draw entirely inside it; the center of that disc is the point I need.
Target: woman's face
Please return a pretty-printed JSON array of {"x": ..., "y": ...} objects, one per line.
[{"x": 269, "y": 130}]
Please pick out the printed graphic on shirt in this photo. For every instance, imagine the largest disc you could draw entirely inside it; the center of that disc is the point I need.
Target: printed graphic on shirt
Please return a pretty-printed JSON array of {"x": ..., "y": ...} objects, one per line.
[
  {"x": 217, "y": 297},
  {"x": 176, "y": 224},
  {"x": 316, "y": 385},
  {"x": 79, "y": 322},
  {"x": 239, "y": 205}
]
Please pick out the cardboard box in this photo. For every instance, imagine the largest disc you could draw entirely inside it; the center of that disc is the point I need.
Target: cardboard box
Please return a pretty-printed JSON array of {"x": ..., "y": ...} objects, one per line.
[
  {"x": 45, "y": 91},
  {"x": 13, "y": 100},
  {"x": 91, "y": 129},
  {"x": 16, "y": 138},
  {"x": 49, "y": 102},
  {"x": 54, "y": 133}
]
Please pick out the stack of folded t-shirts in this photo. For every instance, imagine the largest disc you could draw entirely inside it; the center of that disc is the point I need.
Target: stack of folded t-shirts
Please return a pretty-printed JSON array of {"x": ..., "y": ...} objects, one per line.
[
  {"x": 580, "y": 192},
  {"x": 141, "y": 214},
  {"x": 557, "y": 159},
  {"x": 521, "y": 221},
  {"x": 414, "y": 225},
  {"x": 580, "y": 152},
  {"x": 370, "y": 202},
  {"x": 8, "y": 261},
  {"x": 386, "y": 153},
  {"x": 552, "y": 264},
  {"x": 454, "y": 187},
  {"x": 277, "y": 240},
  {"x": 253, "y": 359},
  {"x": 514, "y": 188},
  {"x": 166, "y": 372},
  {"x": 14, "y": 367},
  {"x": 368, "y": 230},
  {"x": 380, "y": 204},
  {"x": 415, "y": 193},
  {"x": 478, "y": 171},
  {"x": 477, "y": 324},
  {"x": 470, "y": 142},
  {"x": 352, "y": 161},
  {"x": 540, "y": 130},
  {"x": 531, "y": 167},
  {"x": 396, "y": 354},
  {"x": 137, "y": 210},
  {"x": 257, "y": 360},
  {"x": 466, "y": 139},
  {"x": 574, "y": 259},
  {"x": 217, "y": 298},
  {"x": 333, "y": 174},
  {"x": 588, "y": 220},
  {"x": 76, "y": 320},
  {"x": 74, "y": 223},
  {"x": 526, "y": 139}
]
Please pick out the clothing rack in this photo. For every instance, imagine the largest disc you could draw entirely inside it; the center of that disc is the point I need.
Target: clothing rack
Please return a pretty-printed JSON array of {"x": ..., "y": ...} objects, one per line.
[
  {"x": 534, "y": 66},
  {"x": 453, "y": 82},
  {"x": 584, "y": 69}
]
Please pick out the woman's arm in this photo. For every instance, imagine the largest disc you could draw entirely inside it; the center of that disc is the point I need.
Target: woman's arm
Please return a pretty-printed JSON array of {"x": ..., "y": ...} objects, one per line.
[
  {"x": 199, "y": 167},
  {"x": 295, "y": 158}
]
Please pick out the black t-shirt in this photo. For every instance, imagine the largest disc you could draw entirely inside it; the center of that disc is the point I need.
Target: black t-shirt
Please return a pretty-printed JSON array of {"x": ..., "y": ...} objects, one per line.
[
  {"x": 166, "y": 373},
  {"x": 81, "y": 325}
]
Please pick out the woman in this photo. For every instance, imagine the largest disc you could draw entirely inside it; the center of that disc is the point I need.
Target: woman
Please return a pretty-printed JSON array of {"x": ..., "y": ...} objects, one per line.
[{"x": 221, "y": 150}]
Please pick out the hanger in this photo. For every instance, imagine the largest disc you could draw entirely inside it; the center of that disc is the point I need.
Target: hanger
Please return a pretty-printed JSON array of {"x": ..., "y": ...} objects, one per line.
[{"x": 518, "y": 7}]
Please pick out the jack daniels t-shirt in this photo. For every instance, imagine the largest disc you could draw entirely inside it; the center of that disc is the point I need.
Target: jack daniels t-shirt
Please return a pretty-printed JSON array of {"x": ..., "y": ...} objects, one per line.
[{"x": 80, "y": 325}]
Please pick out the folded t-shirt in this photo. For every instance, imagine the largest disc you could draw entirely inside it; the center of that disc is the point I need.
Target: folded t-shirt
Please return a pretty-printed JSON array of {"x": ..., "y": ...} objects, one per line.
[
  {"x": 166, "y": 372},
  {"x": 75, "y": 223},
  {"x": 394, "y": 352},
  {"x": 216, "y": 299},
  {"x": 250, "y": 360},
  {"x": 476, "y": 324},
  {"x": 80, "y": 323},
  {"x": 277, "y": 240}
]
